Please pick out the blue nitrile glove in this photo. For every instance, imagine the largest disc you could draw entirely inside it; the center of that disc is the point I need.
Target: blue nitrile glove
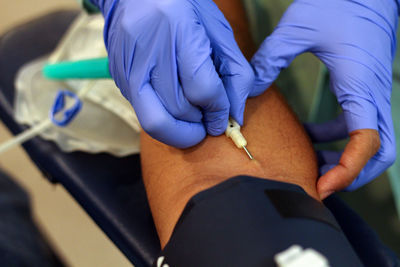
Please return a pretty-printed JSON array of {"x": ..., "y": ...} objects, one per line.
[
  {"x": 356, "y": 40},
  {"x": 178, "y": 64}
]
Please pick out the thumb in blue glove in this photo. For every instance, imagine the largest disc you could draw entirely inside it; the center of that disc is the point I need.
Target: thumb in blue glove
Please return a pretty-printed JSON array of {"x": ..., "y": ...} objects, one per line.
[
  {"x": 356, "y": 40},
  {"x": 359, "y": 154},
  {"x": 178, "y": 64}
]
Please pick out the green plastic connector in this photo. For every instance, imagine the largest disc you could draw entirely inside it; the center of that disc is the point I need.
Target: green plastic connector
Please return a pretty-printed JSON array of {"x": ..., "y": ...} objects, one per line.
[{"x": 84, "y": 69}]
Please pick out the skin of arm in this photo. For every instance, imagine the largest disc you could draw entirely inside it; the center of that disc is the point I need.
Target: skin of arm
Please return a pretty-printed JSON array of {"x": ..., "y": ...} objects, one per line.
[{"x": 278, "y": 142}]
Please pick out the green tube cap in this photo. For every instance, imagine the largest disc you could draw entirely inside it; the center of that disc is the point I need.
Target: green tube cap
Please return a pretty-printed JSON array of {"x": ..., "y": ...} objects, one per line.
[{"x": 83, "y": 69}]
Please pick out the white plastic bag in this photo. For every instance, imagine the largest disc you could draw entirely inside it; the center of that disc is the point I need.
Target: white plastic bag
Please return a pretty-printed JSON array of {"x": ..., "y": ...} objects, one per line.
[{"x": 107, "y": 121}]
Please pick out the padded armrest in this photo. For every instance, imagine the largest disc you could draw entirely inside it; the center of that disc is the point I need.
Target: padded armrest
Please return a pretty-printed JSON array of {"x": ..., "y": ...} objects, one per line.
[{"x": 108, "y": 188}]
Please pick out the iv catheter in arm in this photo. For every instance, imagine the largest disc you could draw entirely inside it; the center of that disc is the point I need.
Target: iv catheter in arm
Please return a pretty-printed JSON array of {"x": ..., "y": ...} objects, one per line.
[{"x": 233, "y": 132}]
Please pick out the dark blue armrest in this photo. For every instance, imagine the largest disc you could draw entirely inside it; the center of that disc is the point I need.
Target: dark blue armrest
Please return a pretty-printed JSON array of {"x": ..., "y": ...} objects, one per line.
[{"x": 108, "y": 188}]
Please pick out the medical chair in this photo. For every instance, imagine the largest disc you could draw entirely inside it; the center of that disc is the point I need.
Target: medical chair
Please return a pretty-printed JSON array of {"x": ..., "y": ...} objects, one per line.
[{"x": 110, "y": 189}]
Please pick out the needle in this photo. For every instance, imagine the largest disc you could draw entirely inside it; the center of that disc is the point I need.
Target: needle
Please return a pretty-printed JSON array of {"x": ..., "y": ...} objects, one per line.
[
  {"x": 233, "y": 132},
  {"x": 248, "y": 153}
]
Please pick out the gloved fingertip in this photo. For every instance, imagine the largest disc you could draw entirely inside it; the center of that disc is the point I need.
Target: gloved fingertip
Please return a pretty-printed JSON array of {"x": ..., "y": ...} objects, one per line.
[
  {"x": 187, "y": 138},
  {"x": 238, "y": 114},
  {"x": 239, "y": 119},
  {"x": 215, "y": 130},
  {"x": 216, "y": 127},
  {"x": 259, "y": 88}
]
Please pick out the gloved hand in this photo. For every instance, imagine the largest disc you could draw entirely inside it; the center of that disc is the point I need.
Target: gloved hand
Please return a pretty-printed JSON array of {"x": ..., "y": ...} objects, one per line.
[
  {"x": 178, "y": 64},
  {"x": 356, "y": 40}
]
